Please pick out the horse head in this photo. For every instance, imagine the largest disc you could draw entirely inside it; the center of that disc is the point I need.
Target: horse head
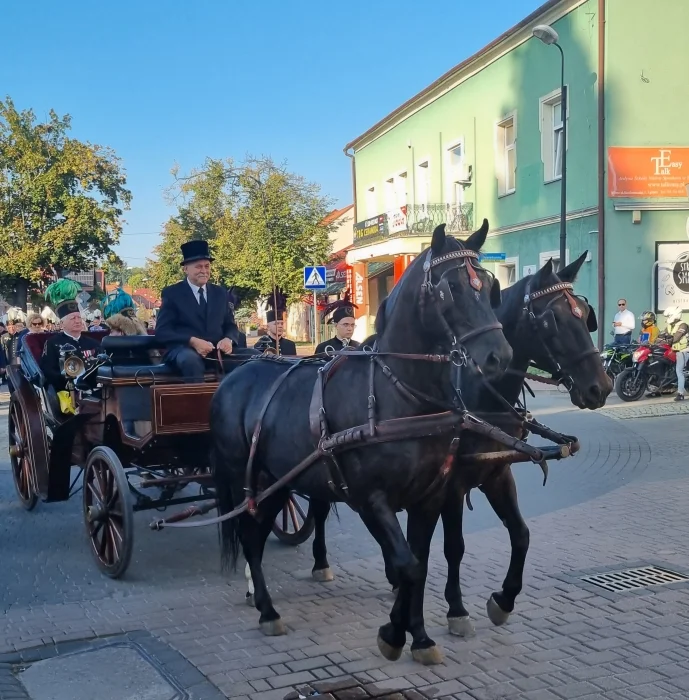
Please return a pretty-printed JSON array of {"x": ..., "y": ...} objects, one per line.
[
  {"x": 562, "y": 324},
  {"x": 445, "y": 300}
]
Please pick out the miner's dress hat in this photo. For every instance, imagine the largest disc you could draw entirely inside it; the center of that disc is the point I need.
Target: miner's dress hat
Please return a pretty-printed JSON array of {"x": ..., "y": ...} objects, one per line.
[{"x": 195, "y": 250}]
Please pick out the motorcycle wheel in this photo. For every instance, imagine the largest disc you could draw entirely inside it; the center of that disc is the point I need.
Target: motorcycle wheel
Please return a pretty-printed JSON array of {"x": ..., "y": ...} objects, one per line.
[{"x": 629, "y": 386}]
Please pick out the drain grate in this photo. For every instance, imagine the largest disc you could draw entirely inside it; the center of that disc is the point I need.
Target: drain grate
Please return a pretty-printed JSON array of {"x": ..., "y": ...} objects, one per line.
[{"x": 633, "y": 579}]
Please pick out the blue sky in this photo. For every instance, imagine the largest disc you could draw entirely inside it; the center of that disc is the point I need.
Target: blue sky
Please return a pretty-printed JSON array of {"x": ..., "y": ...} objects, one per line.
[{"x": 174, "y": 81}]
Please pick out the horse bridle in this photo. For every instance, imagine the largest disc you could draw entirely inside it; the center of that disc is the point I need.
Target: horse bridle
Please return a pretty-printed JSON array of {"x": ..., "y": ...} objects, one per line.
[
  {"x": 441, "y": 291},
  {"x": 539, "y": 322}
]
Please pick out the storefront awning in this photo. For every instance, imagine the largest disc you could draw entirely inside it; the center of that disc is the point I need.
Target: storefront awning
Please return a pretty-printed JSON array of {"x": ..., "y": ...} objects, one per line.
[{"x": 375, "y": 269}]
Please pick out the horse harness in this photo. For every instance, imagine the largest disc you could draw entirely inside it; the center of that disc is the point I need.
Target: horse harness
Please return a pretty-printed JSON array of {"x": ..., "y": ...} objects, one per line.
[
  {"x": 454, "y": 417},
  {"x": 545, "y": 326}
]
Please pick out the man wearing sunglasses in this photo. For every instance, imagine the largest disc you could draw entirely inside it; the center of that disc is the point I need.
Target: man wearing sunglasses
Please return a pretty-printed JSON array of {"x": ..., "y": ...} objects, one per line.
[{"x": 623, "y": 324}]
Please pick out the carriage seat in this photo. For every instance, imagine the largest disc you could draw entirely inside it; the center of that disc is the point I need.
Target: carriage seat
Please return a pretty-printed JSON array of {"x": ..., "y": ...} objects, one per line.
[{"x": 134, "y": 371}]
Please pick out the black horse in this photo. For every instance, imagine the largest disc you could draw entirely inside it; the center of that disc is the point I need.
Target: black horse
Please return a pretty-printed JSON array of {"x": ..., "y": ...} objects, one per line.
[
  {"x": 548, "y": 327},
  {"x": 548, "y": 332},
  {"x": 442, "y": 304}
]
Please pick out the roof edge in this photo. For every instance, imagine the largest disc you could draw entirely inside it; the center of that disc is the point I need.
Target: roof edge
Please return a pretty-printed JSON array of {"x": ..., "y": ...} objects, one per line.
[{"x": 372, "y": 133}]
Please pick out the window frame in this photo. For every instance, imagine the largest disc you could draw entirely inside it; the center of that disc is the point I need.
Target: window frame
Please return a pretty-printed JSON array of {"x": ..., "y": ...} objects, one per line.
[
  {"x": 501, "y": 153},
  {"x": 547, "y": 121}
]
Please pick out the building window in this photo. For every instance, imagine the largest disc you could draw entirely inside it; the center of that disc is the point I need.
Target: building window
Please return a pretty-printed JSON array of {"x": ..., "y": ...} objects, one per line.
[
  {"x": 457, "y": 175},
  {"x": 506, "y": 155},
  {"x": 551, "y": 135},
  {"x": 401, "y": 190},
  {"x": 555, "y": 255},
  {"x": 422, "y": 183},
  {"x": 506, "y": 272},
  {"x": 389, "y": 190},
  {"x": 371, "y": 203}
]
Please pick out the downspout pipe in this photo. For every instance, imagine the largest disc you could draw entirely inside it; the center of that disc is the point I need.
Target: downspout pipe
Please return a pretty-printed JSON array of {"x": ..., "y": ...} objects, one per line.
[
  {"x": 351, "y": 155},
  {"x": 601, "y": 173}
]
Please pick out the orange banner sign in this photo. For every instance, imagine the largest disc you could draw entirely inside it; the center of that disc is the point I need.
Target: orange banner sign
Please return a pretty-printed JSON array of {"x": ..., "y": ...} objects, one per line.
[{"x": 648, "y": 173}]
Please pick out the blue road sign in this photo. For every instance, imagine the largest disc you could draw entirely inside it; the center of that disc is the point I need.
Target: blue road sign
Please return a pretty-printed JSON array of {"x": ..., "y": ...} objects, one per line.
[
  {"x": 492, "y": 257},
  {"x": 314, "y": 277}
]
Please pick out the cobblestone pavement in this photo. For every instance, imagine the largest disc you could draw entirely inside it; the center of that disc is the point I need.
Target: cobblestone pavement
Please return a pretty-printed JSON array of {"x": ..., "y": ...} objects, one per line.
[{"x": 619, "y": 503}]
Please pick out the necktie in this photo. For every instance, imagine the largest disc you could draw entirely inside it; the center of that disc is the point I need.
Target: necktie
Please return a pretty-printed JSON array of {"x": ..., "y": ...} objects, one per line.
[
  {"x": 202, "y": 300},
  {"x": 345, "y": 342}
]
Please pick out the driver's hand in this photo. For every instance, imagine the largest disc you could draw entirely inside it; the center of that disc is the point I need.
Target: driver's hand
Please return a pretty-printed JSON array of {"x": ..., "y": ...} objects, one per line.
[
  {"x": 225, "y": 346},
  {"x": 202, "y": 347}
]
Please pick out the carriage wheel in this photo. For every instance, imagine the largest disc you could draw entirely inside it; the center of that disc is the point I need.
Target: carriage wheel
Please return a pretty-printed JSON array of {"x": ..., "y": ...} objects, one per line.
[
  {"x": 20, "y": 456},
  {"x": 295, "y": 522},
  {"x": 108, "y": 512}
]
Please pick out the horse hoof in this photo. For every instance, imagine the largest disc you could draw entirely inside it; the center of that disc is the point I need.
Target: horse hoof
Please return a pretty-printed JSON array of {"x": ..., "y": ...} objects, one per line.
[
  {"x": 322, "y": 575},
  {"x": 461, "y": 626},
  {"x": 432, "y": 656},
  {"x": 273, "y": 628},
  {"x": 249, "y": 600},
  {"x": 496, "y": 614},
  {"x": 389, "y": 652}
]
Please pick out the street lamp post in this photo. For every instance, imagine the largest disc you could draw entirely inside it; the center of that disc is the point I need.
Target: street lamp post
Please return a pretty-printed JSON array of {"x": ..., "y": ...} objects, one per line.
[{"x": 550, "y": 37}]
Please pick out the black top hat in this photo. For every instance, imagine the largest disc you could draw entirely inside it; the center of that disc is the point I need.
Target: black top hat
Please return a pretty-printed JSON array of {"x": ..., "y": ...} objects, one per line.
[
  {"x": 342, "y": 308},
  {"x": 195, "y": 250},
  {"x": 280, "y": 298},
  {"x": 66, "y": 308}
]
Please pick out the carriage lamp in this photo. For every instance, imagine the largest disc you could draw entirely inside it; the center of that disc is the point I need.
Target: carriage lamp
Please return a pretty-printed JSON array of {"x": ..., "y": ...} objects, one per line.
[{"x": 550, "y": 37}]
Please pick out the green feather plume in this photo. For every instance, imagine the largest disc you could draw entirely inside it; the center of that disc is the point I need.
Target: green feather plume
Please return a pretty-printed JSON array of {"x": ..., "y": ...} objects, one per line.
[{"x": 62, "y": 290}]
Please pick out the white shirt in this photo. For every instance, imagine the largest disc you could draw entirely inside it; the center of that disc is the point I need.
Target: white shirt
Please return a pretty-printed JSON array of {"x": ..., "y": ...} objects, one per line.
[
  {"x": 195, "y": 289},
  {"x": 626, "y": 318}
]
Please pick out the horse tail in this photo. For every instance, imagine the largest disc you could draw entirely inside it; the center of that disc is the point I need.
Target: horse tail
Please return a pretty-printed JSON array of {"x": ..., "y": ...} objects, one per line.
[{"x": 228, "y": 530}]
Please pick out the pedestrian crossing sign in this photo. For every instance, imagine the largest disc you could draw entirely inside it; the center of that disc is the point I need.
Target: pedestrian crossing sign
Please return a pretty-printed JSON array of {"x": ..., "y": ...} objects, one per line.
[{"x": 314, "y": 277}]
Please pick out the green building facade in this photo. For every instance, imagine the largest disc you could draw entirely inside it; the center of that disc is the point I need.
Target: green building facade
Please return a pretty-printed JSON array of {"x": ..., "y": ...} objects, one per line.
[{"x": 485, "y": 140}]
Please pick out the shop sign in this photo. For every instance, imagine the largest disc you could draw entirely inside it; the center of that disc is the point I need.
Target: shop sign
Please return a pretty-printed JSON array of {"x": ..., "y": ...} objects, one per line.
[
  {"x": 359, "y": 293},
  {"x": 648, "y": 173},
  {"x": 397, "y": 220},
  {"x": 371, "y": 227},
  {"x": 672, "y": 276}
]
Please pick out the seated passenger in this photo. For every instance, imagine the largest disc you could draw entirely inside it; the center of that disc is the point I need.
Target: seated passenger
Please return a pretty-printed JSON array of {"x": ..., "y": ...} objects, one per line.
[
  {"x": 195, "y": 320},
  {"x": 119, "y": 313},
  {"x": 275, "y": 339},
  {"x": 62, "y": 296}
]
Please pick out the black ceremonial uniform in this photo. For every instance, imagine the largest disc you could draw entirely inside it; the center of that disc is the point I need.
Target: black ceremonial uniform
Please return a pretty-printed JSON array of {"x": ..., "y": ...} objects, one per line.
[
  {"x": 10, "y": 345},
  {"x": 287, "y": 347},
  {"x": 50, "y": 360},
  {"x": 336, "y": 344}
]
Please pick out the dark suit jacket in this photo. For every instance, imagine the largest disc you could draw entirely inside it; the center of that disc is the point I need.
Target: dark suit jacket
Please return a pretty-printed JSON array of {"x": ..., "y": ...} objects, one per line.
[{"x": 180, "y": 317}]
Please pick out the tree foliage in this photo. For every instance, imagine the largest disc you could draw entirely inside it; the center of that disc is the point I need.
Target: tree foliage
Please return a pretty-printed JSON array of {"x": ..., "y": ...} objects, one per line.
[
  {"x": 61, "y": 200},
  {"x": 261, "y": 221}
]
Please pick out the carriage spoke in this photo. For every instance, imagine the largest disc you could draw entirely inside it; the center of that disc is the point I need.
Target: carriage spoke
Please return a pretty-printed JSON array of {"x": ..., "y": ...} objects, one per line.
[
  {"x": 96, "y": 529},
  {"x": 293, "y": 515},
  {"x": 299, "y": 508},
  {"x": 115, "y": 539},
  {"x": 98, "y": 499},
  {"x": 284, "y": 519}
]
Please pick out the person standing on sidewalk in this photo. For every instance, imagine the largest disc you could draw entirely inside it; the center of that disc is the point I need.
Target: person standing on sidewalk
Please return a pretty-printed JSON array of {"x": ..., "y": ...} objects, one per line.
[
  {"x": 623, "y": 324},
  {"x": 677, "y": 333}
]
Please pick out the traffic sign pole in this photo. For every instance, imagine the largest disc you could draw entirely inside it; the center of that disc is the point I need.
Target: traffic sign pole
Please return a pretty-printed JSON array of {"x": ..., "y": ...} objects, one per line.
[{"x": 316, "y": 334}]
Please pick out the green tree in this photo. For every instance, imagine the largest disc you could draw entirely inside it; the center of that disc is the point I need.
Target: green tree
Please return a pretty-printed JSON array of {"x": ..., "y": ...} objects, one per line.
[
  {"x": 61, "y": 200},
  {"x": 262, "y": 223}
]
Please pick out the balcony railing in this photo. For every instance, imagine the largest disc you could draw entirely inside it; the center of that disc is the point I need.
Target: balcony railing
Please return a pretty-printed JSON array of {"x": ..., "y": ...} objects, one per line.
[{"x": 415, "y": 220}]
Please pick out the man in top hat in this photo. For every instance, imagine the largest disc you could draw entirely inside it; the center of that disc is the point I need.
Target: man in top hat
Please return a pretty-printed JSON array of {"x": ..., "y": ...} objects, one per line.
[
  {"x": 195, "y": 319},
  {"x": 345, "y": 324},
  {"x": 274, "y": 339},
  {"x": 72, "y": 328}
]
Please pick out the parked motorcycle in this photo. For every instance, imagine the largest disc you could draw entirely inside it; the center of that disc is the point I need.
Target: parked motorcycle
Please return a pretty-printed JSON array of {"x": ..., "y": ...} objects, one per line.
[
  {"x": 653, "y": 366},
  {"x": 617, "y": 358}
]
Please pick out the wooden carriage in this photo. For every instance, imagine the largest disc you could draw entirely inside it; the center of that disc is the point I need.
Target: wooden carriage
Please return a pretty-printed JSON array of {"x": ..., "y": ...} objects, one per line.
[{"x": 140, "y": 438}]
